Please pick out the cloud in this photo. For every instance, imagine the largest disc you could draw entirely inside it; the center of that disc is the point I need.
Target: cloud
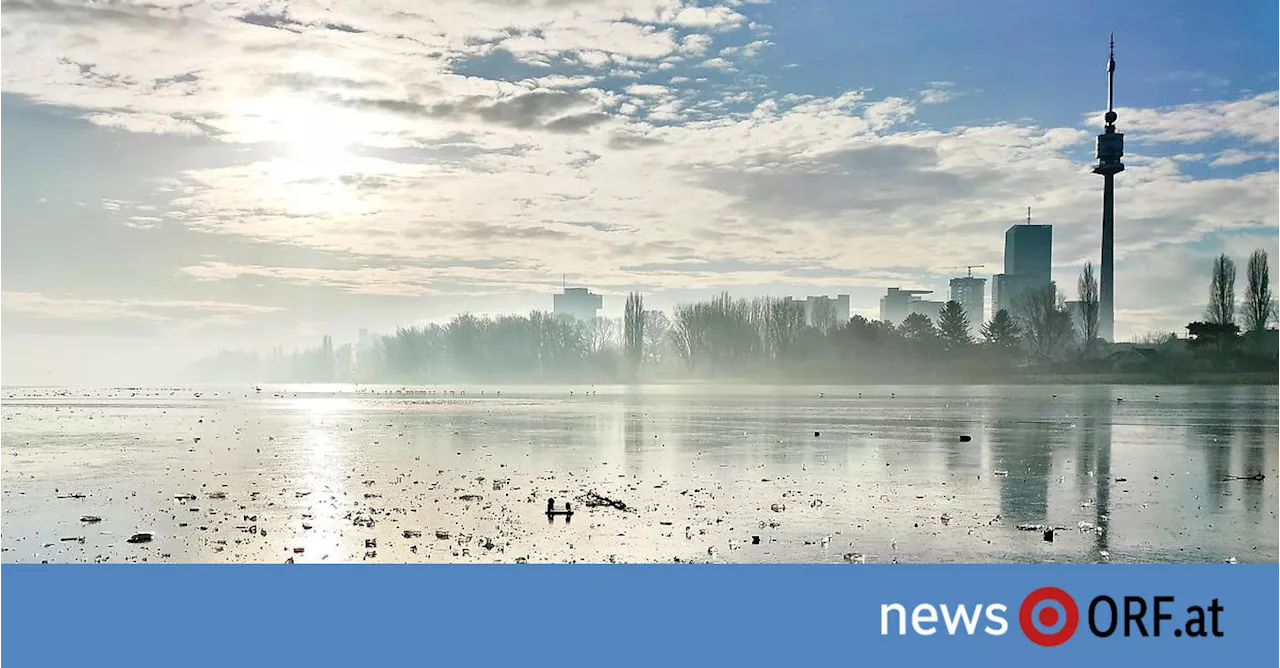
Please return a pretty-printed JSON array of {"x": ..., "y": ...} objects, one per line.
[
  {"x": 888, "y": 112},
  {"x": 807, "y": 170},
  {"x": 407, "y": 58},
  {"x": 695, "y": 44},
  {"x": 623, "y": 141},
  {"x": 282, "y": 21},
  {"x": 748, "y": 50},
  {"x": 149, "y": 123},
  {"x": 492, "y": 280},
  {"x": 577, "y": 122},
  {"x": 629, "y": 39},
  {"x": 396, "y": 281},
  {"x": 483, "y": 147},
  {"x": 938, "y": 92},
  {"x": 718, "y": 64},
  {"x": 77, "y": 13},
  {"x": 537, "y": 108},
  {"x": 1252, "y": 119},
  {"x": 564, "y": 81},
  {"x": 1235, "y": 156},
  {"x": 647, "y": 90},
  {"x": 707, "y": 17},
  {"x": 889, "y": 177},
  {"x": 1197, "y": 78},
  {"x": 183, "y": 313}
]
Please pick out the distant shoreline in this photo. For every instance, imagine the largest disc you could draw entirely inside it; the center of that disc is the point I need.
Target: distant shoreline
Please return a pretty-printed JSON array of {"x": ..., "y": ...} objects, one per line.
[
  {"x": 1256, "y": 379},
  {"x": 1062, "y": 379}
]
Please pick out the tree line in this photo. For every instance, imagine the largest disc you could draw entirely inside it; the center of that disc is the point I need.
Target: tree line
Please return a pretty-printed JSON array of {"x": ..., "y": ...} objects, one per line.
[
  {"x": 1227, "y": 333},
  {"x": 764, "y": 339}
]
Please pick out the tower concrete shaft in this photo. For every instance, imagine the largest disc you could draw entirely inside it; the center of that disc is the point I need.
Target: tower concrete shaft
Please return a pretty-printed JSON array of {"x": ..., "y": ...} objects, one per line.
[
  {"x": 1106, "y": 280},
  {"x": 1110, "y": 153}
]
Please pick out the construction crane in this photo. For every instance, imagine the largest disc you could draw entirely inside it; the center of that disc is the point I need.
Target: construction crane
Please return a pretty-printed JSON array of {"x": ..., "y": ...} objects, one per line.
[{"x": 971, "y": 267}]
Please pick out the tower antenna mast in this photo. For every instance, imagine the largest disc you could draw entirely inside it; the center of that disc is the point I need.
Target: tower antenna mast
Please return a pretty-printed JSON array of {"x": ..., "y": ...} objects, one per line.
[{"x": 1111, "y": 81}]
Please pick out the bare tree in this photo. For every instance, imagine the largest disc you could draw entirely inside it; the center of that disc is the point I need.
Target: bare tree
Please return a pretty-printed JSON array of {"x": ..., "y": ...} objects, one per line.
[
  {"x": 1258, "y": 308},
  {"x": 1087, "y": 291},
  {"x": 684, "y": 334},
  {"x": 601, "y": 333},
  {"x": 1155, "y": 339},
  {"x": 785, "y": 319},
  {"x": 1044, "y": 321},
  {"x": 1222, "y": 292},
  {"x": 633, "y": 330},
  {"x": 656, "y": 325},
  {"x": 823, "y": 314}
]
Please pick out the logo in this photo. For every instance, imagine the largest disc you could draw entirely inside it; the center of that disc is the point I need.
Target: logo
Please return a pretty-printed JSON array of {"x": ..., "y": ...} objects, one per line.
[{"x": 1048, "y": 616}]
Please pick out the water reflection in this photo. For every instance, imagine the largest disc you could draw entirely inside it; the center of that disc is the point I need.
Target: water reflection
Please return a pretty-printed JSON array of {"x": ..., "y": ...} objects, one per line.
[
  {"x": 1025, "y": 450},
  {"x": 1256, "y": 431},
  {"x": 701, "y": 467},
  {"x": 1214, "y": 432},
  {"x": 1093, "y": 474},
  {"x": 1255, "y": 462},
  {"x": 962, "y": 457},
  {"x": 633, "y": 434}
]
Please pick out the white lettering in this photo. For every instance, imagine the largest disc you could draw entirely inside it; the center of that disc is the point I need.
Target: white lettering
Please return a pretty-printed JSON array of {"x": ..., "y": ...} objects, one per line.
[
  {"x": 959, "y": 619},
  {"x": 884, "y": 619},
  {"x": 961, "y": 615},
  {"x": 924, "y": 614},
  {"x": 997, "y": 618}
]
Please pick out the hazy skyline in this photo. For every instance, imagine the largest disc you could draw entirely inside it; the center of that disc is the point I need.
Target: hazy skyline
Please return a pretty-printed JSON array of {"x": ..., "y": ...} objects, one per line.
[{"x": 188, "y": 177}]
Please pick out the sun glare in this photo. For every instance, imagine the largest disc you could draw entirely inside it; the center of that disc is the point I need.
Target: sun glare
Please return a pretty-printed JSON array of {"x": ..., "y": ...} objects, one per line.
[{"x": 317, "y": 142}]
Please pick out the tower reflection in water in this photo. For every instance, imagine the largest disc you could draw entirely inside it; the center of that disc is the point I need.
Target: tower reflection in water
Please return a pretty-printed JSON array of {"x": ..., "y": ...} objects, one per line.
[
  {"x": 1094, "y": 456},
  {"x": 1078, "y": 434}
]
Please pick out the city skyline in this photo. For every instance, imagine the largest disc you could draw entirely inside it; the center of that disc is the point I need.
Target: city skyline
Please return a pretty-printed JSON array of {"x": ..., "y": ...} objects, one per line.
[{"x": 307, "y": 171}]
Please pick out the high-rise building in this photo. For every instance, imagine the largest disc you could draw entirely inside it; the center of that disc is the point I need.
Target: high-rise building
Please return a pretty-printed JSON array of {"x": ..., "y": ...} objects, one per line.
[
  {"x": 1076, "y": 310},
  {"x": 931, "y": 309},
  {"x": 1110, "y": 153},
  {"x": 971, "y": 293},
  {"x": 1028, "y": 251},
  {"x": 824, "y": 312},
  {"x": 999, "y": 290},
  {"x": 1028, "y": 265},
  {"x": 577, "y": 303},
  {"x": 1006, "y": 289},
  {"x": 895, "y": 304}
]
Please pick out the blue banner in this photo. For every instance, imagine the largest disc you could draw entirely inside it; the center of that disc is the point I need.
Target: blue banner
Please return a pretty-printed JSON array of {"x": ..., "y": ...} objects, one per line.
[{"x": 705, "y": 615}]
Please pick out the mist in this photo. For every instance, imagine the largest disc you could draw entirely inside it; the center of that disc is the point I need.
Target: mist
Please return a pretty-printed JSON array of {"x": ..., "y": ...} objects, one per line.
[
  {"x": 88, "y": 360},
  {"x": 762, "y": 340}
]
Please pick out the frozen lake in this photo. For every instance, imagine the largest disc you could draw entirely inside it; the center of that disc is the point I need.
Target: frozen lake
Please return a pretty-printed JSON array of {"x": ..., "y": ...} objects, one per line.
[{"x": 814, "y": 474}]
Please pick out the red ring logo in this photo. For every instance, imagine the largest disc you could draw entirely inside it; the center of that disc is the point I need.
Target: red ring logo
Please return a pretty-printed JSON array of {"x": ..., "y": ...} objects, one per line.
[{"x": 1048, "y": 617}]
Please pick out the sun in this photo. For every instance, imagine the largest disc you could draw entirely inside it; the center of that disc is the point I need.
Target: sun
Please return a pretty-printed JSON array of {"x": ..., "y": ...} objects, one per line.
[
  {"x": 316, "y": 143},
  {"x": 315, "y": 135}
]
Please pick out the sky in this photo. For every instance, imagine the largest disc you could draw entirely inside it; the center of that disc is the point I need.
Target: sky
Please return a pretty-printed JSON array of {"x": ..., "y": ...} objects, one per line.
[{"x": 181, "y": 177}]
